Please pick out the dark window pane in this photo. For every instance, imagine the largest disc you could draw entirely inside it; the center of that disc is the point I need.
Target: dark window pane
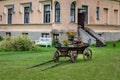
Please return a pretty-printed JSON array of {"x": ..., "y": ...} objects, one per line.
[
  {"x": 10, "y": 16},
  {"x": 72, "y": 12},
  {"x": 0, "y": 17},
  {"x": 57, "y": 12},
  {"x": 13, "y": 8},
  {"x": 46, "y": 13},
  {"x": 97, "y": 13},
  {"x": 26, "y": 15},
  {"x": 73, "y": 5},
  {"x": 25, "y": 34},
  {"x": 30, "y": 6},
  {"x": 85, "y": 11},
  {"x": 8, "y": 34},
  {"x": 56, "y": 36},
  {"x": 45, "y": 35}
]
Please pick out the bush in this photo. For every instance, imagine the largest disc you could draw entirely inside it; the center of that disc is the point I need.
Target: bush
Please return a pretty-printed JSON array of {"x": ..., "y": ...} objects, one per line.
[
  {"x": 1, "y": 38},
  {"x": 55, "y": 41},
  {"x": 18, "y": 43}
]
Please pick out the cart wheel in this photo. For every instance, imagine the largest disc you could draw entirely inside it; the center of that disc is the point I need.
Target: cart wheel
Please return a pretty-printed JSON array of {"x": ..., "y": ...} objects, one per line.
[
  {"x": 87, "y": 54},
  {"x": 56, "y": 56},
  {"x": 73, "y": 57}
]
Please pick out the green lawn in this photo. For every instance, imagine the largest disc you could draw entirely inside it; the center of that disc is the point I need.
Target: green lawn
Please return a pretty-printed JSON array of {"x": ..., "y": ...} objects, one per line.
[{"x": 105, "y": 65}]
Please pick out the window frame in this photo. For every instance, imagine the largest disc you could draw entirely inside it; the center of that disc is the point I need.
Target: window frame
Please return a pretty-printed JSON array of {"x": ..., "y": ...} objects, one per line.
[
  {"x": 9, "y": 17},
  {"x": 72, "y": 9},
  {"x": 46, "y": 14},
  {"x": 0, "y": 17},
  {"x": 45, "y": 35},
  {"x": 57, "y": 9},
  {"x": 25, "y": 33},
  {"x": 97, "y": 13},
  {"x": 26, "y": 18},
  {"x": 85, "y": 9},
  {"x": 8, "y": 34},
  {"x": 56, "y": 36}
]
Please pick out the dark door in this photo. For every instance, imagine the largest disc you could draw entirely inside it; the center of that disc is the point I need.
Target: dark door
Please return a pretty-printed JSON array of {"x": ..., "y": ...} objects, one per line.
[{"x": 81, "y": 19}]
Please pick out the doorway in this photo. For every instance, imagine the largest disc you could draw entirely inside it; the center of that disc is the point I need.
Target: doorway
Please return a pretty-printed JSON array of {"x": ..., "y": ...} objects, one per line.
[
  {"x": 81, "y": 18},
  {"x": 85, "y": 11}
]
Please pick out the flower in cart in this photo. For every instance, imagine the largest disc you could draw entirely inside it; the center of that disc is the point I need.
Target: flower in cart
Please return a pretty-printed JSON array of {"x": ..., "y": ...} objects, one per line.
[
  {"x": 71, "y": 34},
  {"x": 66, "y": 43}
]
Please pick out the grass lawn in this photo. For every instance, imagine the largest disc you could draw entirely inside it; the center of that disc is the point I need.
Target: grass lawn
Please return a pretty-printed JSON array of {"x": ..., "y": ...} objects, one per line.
[{"x": 105, "y": 65}]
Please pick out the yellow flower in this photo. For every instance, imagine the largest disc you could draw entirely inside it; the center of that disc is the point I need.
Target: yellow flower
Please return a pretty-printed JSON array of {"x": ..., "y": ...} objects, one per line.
[
  {"x": 66, "y": 42},
  {"x": 71, "y": 34}
]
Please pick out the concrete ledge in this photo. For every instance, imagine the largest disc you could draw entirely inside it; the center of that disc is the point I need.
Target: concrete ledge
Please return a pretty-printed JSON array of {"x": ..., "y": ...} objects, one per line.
[{"x": 24, "y": 24}]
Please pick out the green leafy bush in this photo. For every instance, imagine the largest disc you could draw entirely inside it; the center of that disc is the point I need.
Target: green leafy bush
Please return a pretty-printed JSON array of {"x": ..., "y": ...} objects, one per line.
[
  {"x": 55, "y": 41},
  {"x": 18, "y": 43},
  {"x": 1, "y": 38}
]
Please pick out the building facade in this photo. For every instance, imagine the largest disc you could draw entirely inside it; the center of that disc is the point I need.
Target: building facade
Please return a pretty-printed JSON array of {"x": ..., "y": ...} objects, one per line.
[{"x": 53, "y": 18}]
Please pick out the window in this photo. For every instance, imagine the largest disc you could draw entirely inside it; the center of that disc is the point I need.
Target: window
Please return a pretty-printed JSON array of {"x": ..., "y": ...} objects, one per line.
[
  {"x": 72, "y": 12},
  {"x": 45, "y": 35},
  {"x": 116, "y": 17},
  {"x": 97, "y": 13},
  {"x": 56, "y": 36},
  {"x": 25, "y": 34},
  {"x": 25, "y": 9},
  {"x": 26, "y": 14},
  {"x": 85, "y": 11},
  {"x": 30, "y": 7},
  {"x": 8, "y": 34},
  {"x": 10, "y": 16},
  {"x": 46, "y": 13},
  {"x": 9, "y": 11},
  {"x": 13, "y": 8},
  {"x": 57, "y": 12},
  {"x": 106, "y": 16},
  {"x": 0, "y": 17}
]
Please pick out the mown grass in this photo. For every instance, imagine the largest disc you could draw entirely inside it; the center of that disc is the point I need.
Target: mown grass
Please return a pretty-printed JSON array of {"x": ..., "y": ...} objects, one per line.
[{"x": 105, "y": 65}]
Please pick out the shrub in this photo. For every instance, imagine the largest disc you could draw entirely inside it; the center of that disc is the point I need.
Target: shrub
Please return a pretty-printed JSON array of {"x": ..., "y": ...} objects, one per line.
[
  {"x": 5, "y": 44},
  {"x": 1, "y": 38},
  {"x": 55, "y": 41},
  {"x": 18, "y": 43}
]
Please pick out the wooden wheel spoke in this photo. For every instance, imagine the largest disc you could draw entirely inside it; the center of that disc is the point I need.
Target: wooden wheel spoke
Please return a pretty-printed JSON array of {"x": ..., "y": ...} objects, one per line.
[
  {"x": 87, "y": 54},
  {"x": 73, "y": 57},
  {"x": 56, "y": 56}
]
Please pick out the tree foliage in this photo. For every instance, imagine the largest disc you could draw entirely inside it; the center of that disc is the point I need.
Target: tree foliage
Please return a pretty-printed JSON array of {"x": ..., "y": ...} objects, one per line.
[{"x": 117, "y": 0}]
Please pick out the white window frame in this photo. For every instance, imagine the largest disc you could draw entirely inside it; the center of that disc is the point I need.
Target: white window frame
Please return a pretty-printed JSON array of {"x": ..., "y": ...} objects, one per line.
[
  {"x": 6, "y": 7},
  {"x": 41, "y": 9},
  {"x": 21, "y": 11}
]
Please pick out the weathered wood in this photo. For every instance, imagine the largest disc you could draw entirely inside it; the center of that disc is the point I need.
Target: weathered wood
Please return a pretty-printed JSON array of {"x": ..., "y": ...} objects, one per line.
[
  {"x": 41, "y": 64},
  {"x": 54, "y": 65}
]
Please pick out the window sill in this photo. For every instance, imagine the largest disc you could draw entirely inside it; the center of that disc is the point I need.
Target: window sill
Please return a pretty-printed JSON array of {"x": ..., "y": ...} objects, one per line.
[
  {"x": 23, "y": 24},
  {"x": 73, "y": 22},
  {"x": 57, "y": 22},
  {"x": 46, "y": 23}
]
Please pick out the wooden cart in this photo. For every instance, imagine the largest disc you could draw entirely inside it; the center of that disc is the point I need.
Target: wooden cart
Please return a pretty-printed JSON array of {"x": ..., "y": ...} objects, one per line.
[{"x": 73, "y": 52}]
